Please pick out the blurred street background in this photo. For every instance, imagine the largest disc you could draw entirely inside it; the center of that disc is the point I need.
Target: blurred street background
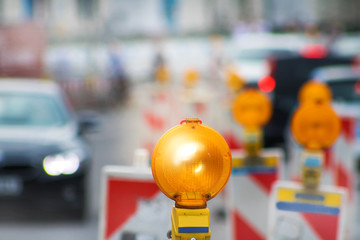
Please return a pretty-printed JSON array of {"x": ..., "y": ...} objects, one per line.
[{"x": 139, "y": 67}]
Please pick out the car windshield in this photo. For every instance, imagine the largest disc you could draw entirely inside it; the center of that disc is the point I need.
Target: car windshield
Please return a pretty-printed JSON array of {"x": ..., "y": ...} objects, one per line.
[
  {"x": 31, "y": 110},
  {"x": 346, "y": 90},
  {"x": 261, "y": 54}
]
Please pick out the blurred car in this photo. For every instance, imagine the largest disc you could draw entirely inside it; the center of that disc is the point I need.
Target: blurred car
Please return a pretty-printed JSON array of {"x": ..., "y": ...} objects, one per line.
[
  {"x": 253, "y": 54},
  {"x": 251, "y": 63},
  {"x": 44, "y": 159},
  {"x": 290, "y": 73},
  {"x": 347, "y": 45}
]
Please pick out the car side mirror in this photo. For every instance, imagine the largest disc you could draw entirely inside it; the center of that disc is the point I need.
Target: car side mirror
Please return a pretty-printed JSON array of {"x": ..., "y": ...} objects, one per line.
[{"x": 88, "y": 122}]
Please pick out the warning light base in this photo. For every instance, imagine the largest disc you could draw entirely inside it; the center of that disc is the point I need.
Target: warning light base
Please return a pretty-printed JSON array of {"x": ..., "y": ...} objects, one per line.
[
  {"x": 312, "y": 167},
  {"x": 253, "y": 142},
  {"x": 190, "y": 224}
]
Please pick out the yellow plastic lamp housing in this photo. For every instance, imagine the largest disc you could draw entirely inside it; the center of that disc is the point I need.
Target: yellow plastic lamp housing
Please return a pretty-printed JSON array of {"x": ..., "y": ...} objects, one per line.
[
  {"x": 315, "y": 126},
  {"x": 191, "y": 164},
  {"x": 315, "y": 92},
  {"x": 252, "y": 108}
]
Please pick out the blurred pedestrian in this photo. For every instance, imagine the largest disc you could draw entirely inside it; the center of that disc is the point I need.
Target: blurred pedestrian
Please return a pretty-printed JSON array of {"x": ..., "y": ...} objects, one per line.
[
  {"x": 118, "y": 77},
  {"x": 160, "y": 72}
]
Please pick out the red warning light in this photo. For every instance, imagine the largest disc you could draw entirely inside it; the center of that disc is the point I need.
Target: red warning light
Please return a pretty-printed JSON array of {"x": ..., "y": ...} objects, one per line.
[
  {"x": 357, "y": 87},
  {"x": 314, "y": 51},
  {"x": 355, "y": 64},
  {"x": 267, "y": 84}
]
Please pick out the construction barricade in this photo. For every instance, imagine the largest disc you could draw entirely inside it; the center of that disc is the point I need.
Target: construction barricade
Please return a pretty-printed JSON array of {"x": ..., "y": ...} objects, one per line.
[
  {"x": 249, "y": 193},
  {"x": 296, "y": 212},
  {"x": 132, "y": 206}
]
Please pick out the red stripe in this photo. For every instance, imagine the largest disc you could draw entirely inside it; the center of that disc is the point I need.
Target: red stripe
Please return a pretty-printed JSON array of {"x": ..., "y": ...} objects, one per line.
[
  {"x": 328, "y": 158},
  {"x": 325, "y": 226},
  {"x": 243, "y": 230},
  {"x": 200, "y": 108},
  {"x": 332, "y": 164},
  {"x": 264, "y": 180},
  {"x": 155, "y": 122},
  {"x": 232, "y": 141},
  {"x": 122, "y": 201},
  {"x": 348, "y": 128},
  {"x": 344, "y": 179}
]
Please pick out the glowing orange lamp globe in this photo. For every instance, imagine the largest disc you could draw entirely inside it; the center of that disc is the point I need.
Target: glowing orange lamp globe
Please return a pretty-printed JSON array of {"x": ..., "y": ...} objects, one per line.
[
  {"x": 315, "y": 92},
  {"x": 315, "y": 126},
  {"x": 234, "y": 81},
  {"x": 252, "y": 108},
  {"x": 191, "y": 78},
  {"x": 191, "y": 164}
]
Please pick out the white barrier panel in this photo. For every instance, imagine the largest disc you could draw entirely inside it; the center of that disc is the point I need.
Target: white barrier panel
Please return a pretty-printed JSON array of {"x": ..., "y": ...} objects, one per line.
[
  {"x": 249, "y": 193},
  {"x": 298, "y": 213},
  {"x": 157, "y": 106},
  {"x": 132, "y": 206},
  {"x": 344, "y": 156}
]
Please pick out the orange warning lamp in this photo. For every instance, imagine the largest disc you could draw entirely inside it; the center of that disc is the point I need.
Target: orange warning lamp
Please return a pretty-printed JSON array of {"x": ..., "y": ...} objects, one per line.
[
  {"x": 252, "y": 109},
  {"x": 234, "y": 81},
  {"x": 162, "y": 74},
  {"x": 316, "y": 92},
  {"x": 315, "y": 126},
  {"x": 191, "y": 78},
  {"x": 191, "y": 164}
]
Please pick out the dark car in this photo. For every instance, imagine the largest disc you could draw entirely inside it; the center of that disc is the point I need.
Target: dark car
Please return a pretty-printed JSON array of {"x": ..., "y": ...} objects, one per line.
[
  {"x": 290, "y": 73},
  {"x": 44, "y": 159}
]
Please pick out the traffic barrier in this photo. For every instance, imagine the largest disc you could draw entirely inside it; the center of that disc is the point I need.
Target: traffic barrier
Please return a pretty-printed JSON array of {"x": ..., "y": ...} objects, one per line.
[
  {"x": 299, "y": 213},
  {"x": 157, "y": 107},
  {"x": 249, "y": 193},
  {"x": 339, "y": 167},
  {"x": 132, "y": 206}
]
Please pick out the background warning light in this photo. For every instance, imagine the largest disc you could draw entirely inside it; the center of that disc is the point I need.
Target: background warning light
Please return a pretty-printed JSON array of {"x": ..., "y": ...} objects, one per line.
[{"x": 267, "y": 84}]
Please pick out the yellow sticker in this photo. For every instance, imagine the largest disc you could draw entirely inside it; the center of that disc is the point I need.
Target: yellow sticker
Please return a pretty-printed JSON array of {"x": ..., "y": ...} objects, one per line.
[{"x": 312, "y": 197}]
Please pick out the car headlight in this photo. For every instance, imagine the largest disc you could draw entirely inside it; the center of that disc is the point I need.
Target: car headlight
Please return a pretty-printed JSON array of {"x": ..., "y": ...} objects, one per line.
[{"x": 65, "y": 163}]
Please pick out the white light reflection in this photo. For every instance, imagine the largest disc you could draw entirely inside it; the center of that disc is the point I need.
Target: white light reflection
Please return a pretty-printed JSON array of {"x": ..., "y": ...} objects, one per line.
[
  {"x": 185, "y": 152},
  {"x": 59, "y": 164},
  {"x": 198, "y": 169}
]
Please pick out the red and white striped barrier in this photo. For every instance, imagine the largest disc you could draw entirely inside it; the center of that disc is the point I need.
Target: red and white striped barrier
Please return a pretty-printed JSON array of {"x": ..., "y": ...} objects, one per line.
[
  {"x": 159, "y": 111},
  {"x": 339, "y": 166},
  {"x": 249, "y": 195},
  {"x": 132, "y": 206}
]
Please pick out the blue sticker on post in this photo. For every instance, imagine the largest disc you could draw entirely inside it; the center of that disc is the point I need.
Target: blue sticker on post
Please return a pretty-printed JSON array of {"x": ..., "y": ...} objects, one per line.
[
  {"x": 267, "y": 165},
  {"x": 193, "y": 229}
]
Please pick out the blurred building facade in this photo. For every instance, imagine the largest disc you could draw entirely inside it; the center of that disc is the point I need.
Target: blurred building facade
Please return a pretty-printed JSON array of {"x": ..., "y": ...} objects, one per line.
[{"x": 93, "y": 19}]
